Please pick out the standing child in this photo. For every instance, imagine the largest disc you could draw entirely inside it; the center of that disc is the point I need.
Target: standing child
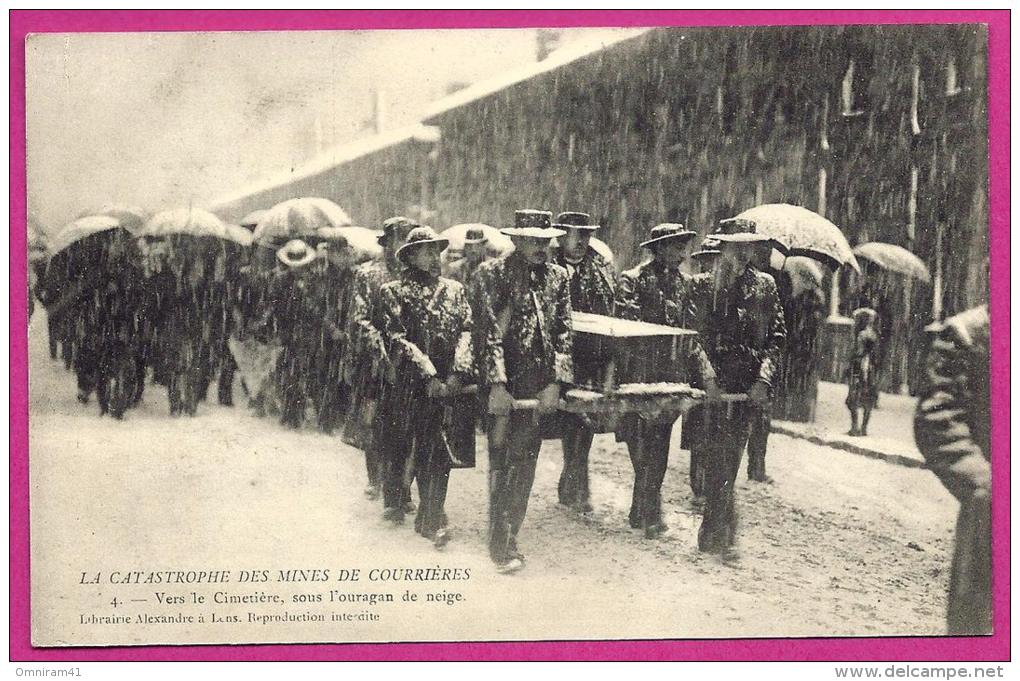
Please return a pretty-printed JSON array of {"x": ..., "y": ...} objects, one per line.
[{"x": 863, "y": 378}]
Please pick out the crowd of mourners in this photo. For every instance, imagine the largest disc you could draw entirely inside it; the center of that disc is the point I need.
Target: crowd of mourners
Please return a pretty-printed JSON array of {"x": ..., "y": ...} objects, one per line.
[
  {"x": 407, "y": 354},
  {"x": 405, "y": 362}
]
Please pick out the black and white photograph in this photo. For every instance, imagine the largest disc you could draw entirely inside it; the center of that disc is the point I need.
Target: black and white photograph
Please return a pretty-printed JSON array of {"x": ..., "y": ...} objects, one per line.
[{"x": 509, "y": 334}]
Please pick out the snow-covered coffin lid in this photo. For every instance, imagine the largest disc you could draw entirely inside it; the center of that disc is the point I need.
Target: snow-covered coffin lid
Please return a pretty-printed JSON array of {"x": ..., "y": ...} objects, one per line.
[{"x": 609, "y": 351}]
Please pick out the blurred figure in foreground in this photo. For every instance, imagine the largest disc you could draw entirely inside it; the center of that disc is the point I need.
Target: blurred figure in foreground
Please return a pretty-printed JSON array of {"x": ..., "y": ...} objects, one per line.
[{"x": 952, "y": 427}]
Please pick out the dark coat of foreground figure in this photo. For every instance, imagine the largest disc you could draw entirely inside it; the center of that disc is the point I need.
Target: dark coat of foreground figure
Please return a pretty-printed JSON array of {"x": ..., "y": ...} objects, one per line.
[
  {"x": 952, "y": 428},
  {"x": 523, "y": 341},
  {"x": 428, "y": 336}
]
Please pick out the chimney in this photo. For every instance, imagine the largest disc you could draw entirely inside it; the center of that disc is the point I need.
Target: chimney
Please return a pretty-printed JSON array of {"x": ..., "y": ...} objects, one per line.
[{"x": 547, "y": 41}]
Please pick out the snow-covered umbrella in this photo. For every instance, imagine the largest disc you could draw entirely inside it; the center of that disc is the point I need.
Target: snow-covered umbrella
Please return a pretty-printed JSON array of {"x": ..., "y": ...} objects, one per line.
[
  {"x": 185, "y": 221},
  {"x": 895, "y": 259},
  {"x": 803, "y": 232},
  {"x": 38, "y": 244},
  {"x": 74, "y": 254},
  {"x": 296, "y": 218},
  {"x": 81, "y": 229},
  {"x": 252, "y": 219},
  {"x": 497, "y": 244},
  {"x": 239, "y": 234},
  {"x": 131, "y": 218},
  {"x": 362, "y": 241}
]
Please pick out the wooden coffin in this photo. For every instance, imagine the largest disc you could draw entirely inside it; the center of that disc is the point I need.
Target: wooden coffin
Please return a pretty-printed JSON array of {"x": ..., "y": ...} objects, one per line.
[{"x": 610, "y": 352}]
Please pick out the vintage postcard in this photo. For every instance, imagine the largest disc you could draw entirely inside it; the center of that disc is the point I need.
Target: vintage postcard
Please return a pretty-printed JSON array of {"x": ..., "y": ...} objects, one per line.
[{"x": 509, "y": 334}]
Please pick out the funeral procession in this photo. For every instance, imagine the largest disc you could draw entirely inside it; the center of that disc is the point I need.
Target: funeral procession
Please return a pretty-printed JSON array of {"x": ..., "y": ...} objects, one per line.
[{"x": 637, "y": 308}]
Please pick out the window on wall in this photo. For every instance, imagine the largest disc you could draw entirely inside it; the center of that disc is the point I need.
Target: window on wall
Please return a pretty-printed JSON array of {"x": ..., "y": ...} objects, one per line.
[
  {"x": 848, "y": 92},
  {"x": 953, "y": 87},
  {"x": 855, "y": 87}
]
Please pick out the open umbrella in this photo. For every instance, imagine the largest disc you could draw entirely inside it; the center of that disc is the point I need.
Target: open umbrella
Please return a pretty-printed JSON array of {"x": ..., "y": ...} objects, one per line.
[
  {"x": 38, "y": 244},
  {"x": 131, "y": 218},
  {"x": 498, "y": 244},
  {"x": 238, "y": 234},
  {"x": 362, "y": 240},
  {"x": 252, "y": 219},
  {"x": 81, "y": 229},
  {"x": 185, "y": 221},
  {"x": 296, "y": 218},
  {"x": 895, "y": 259},
  {"x": 803, "y": 232},
  {"x": 75, "y": 253}
]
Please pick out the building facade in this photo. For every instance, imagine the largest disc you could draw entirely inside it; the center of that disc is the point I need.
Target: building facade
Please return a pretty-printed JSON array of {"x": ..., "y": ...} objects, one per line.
[{"x": 883, "y": 129}]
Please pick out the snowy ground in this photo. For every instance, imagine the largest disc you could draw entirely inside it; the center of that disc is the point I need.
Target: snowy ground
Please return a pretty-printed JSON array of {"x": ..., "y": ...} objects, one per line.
[{"x": 838, "y": 545}]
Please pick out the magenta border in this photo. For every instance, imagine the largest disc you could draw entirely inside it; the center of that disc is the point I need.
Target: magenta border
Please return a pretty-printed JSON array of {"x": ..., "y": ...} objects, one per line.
[{"x": 995, "y": 648}]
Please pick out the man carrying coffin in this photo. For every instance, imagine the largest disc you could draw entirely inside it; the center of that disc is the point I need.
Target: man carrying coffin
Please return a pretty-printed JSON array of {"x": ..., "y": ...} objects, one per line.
[
  {"x": 592, "y": 281},
  {"x": 523, "y": 344},
  {"x": 658, "y": 292}
]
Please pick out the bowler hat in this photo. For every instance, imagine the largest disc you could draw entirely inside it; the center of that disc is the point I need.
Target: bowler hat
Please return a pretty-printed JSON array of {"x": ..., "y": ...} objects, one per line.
[
  {"x": 296, "y": 253},
  {"x": 576, "y": 220},
  {"x": 475, "y": 235},
  {"x": 709, "y": 248},
  {"x": 533, "y": 223},
  {"x": 667, "y": 231},
  {"x": 420, "y": 236},
  {"x": 739, "y": 231},
  {"x": 394, "y": 225}
]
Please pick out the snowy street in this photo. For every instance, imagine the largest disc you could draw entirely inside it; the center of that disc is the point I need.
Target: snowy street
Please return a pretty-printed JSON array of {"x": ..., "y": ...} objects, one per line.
[{"x": 838, "y": 545}]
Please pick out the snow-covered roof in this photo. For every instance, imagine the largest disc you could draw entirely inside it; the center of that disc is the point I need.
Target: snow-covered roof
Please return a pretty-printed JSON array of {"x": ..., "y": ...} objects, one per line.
[
  {"x": 350, "y": 151},
  {"x": 333, "y": 157},
  {"x": 555, "y": 60}
]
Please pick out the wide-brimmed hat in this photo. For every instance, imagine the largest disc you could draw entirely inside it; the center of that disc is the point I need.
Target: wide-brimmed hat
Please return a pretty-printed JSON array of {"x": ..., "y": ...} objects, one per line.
[
  {"x": 475, "y": 235},
  {"x": 296, "y": 253},
  {"x": 575, "y": 220},
  {"x": 709, "y": 249},
  {"x": 667, "y": 231},
  {"x": 394, "y": 225},
  {"x": 420, "y": 236},
  {"x": 533, "y": 223},
  {"x": 738, "y": 231}
]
